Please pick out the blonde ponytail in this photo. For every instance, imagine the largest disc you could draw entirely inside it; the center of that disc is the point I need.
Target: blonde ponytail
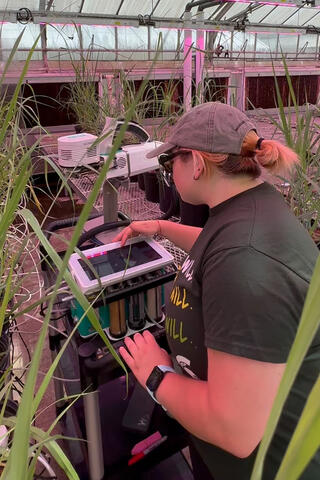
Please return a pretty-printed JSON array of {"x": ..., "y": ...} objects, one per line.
[
  {"x": 255, "y": 153},
  {"x": 271, "y": 154},
  {"x": 276, "y": 157}
]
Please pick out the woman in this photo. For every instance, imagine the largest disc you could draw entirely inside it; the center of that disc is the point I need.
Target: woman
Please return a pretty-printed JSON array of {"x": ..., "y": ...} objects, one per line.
[{"x": 236, "y": 302}]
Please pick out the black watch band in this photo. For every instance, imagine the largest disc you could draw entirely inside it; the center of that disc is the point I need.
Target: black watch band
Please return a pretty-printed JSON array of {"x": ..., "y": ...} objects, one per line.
[{"x": 156, "y": 377}]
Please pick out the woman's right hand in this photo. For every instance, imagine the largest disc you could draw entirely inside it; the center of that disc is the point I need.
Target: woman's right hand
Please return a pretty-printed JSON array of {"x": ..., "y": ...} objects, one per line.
[{"x": 148, "y": 228}]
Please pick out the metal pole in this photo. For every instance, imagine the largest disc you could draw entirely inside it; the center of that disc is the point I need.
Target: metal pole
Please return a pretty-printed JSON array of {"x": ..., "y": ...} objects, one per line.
[
  {"x": 187, "y": 63},
  {"x": 242, "y": 90},
  {"x": 110, "y": 202},
  {"x": 277, "y": 46},
  {"x": 149, "y": 43},
  {"x": 116, "y": 43},
  {"x": 297, "y": 46},
  {"x": 43, "y": 31},
  {"x": 49, "y": 5},
  {"x": 55, "y": 344},
  {"x": 94, "y": 437},
  {"x": 255, "y": 46},
  {"x": 231, "y": 45},
  {"x": 179, "y": 45},
  {"x": 229, "y": 90},
  {"x": 200, "y": 57}
]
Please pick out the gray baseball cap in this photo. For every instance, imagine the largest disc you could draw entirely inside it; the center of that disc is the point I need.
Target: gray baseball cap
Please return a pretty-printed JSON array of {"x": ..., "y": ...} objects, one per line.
[{"x": 212, "y": 127}]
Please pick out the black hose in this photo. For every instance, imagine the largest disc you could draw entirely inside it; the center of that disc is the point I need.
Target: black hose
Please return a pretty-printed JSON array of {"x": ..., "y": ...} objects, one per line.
[
  {"x": 64, "y": 223},
  {"x": 56, "y": 225},
  {"x": 101, "y": 228},
  {"x": 174, "y": 205},
  {"x": 70, "y": 222}
]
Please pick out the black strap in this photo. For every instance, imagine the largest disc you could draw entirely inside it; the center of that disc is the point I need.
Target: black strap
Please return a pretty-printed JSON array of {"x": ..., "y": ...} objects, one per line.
[{"x": 258, "y": 144}]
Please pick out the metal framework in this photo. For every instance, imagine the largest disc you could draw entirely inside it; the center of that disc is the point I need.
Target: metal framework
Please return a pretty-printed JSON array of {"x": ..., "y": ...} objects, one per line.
[
  {"x": 48, "y": 17},
  {"x": 197, "y": 15},
  {"x": 298, "y": 52},
  {"x": 224, "y": 18},
  {"x": 217, "y": 14}
]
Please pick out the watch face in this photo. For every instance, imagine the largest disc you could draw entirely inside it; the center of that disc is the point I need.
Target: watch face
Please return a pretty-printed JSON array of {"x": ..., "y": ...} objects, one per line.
[{"x": 155, "y": 379}]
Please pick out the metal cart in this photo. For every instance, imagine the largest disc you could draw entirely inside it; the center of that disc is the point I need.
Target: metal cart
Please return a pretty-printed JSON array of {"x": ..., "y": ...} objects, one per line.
[{"x": 88, "y": 367}]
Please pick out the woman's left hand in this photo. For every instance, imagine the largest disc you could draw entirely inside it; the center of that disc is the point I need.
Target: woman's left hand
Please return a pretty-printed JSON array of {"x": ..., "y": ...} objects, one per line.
[{"x": 143, "y": 354}]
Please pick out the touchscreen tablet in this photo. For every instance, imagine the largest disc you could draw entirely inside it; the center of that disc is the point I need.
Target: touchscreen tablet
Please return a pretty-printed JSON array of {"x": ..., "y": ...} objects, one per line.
[{"x": 112, "y": 263}]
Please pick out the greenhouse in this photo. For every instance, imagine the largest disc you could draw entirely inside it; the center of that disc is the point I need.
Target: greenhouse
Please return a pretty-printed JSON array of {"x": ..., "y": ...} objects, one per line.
[{"x": 159, "y": 239}]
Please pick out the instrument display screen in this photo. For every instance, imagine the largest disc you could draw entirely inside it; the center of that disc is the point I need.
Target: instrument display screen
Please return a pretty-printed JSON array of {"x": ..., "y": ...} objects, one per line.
[{"x": 119, "y": 259}]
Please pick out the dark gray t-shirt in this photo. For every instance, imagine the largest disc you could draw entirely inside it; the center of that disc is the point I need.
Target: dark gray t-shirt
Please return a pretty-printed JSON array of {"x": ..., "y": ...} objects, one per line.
[{"x": 241, "y": 291}]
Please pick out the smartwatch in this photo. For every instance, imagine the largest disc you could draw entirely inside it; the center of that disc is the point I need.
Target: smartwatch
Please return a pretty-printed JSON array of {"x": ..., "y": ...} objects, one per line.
[{"x": 155, "y": 378}]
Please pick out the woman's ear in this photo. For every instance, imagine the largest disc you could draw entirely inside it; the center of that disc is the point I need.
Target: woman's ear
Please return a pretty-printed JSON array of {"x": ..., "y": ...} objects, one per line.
[{"x": 198, "y": 165}]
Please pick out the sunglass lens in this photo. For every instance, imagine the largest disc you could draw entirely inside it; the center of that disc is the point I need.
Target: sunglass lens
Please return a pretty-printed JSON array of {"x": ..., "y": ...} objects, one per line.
[
  {"x": 167, "y": 176},
  {"x": 168, "y": 166}
]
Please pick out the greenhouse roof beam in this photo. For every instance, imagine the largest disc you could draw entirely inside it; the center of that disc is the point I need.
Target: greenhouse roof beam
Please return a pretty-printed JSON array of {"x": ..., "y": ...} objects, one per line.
[
  {"x": 78, "y": 18},
  {"x": 155, "y": 6},
  {"x": 291, "y": 3},
  {"x": 198, "y": 3},
  {"x": 308, "y": 21},
  {"x": 271, "y": 11},
  {"x": 217, "y": 14},
  {"x": 293, "y": 13},
  {"x": 118, "y": 21},
  {"x": 81, "y": 6},
  {"x": 207, "y": 4},
  {"x": 42, "y": 5},
  {"x": 119, "y": 8},
  {"x": 181, "y": 16},
  {"x": 222, "y": 10},
  {"x": 244, "y": 13},
  {"x": 49, "y": 5}
]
